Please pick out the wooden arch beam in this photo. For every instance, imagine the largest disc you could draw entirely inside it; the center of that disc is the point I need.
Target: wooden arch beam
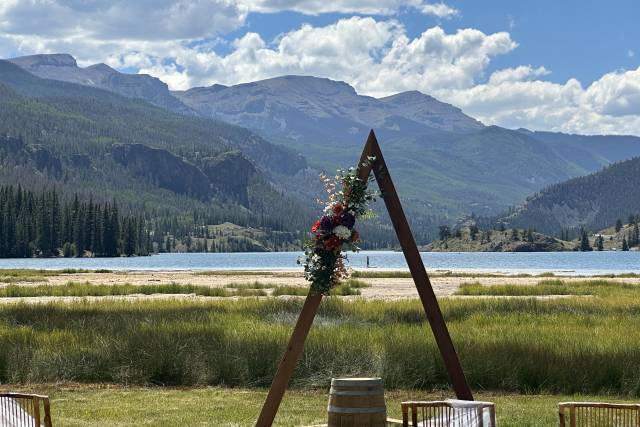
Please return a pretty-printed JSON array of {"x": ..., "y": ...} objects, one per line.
[{"x": 420, "y": 278}]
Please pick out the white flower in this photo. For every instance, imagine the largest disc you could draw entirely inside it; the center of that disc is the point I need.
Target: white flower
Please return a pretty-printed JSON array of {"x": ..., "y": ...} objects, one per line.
[{"x": 342, "y": 232}]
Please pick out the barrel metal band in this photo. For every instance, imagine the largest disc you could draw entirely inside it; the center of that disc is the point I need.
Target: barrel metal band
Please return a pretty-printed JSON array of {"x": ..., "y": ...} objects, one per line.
[
  {"x": 341, "y": 410},
  {"x": 356, "y": 393}
]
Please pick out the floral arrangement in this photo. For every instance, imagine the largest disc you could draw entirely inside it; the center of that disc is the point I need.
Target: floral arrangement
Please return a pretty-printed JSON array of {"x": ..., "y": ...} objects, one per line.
[{"x": 334, "y": 232}]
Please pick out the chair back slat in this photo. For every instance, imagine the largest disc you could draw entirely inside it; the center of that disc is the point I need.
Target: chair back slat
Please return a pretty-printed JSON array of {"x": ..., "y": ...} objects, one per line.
[
  {"x": 448, "y": 414},
  {"x": 593, "y": 414},
  {"x": 23, "y": 410}
]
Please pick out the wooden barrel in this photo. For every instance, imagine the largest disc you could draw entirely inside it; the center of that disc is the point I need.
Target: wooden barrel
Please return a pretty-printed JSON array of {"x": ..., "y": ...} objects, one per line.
[{"x": 357, "y": 402}]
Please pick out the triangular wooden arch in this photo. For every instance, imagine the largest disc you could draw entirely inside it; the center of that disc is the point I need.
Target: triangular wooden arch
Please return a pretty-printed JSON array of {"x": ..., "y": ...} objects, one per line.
[{"x": 420, "y": 278}]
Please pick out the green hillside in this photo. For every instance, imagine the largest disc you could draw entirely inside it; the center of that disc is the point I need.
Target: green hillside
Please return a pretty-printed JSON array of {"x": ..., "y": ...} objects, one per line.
[{"x": 592, "y": 202}]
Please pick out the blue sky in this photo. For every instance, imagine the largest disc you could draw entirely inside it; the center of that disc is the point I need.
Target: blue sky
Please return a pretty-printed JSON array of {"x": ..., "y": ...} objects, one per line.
[
  {"x": 571, "y": 66},
  {"x": 582, "y": 39}
]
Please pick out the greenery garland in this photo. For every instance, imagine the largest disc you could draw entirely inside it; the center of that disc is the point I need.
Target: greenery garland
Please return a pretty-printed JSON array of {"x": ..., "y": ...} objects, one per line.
[{"x": 334, "y": 232}]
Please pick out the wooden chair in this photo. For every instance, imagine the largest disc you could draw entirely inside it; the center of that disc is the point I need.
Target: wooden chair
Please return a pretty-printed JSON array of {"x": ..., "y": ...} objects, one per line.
[
  {"x": 24, "y": 410},
  {"x": 448, "y": 413},
  {"x": 593, "y": 414}
]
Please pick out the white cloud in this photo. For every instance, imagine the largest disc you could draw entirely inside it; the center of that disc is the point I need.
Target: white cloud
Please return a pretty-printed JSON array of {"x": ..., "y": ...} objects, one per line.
[
  {"x": 610, "y": 105},
  {"x": 365, "y": 7},
  {"x": 175, "y": 42},
  {"x": 121, "y": 19},
  {"x": 440, "y": 10},
  {"x": 523, "y": 72},
  {"x": 376, "y": 57},
  {"x": 616, "y": 94}
]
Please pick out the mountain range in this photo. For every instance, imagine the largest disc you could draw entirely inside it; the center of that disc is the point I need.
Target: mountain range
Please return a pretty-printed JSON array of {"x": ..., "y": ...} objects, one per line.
[
  {"x": 105, "y": 146},
  {"x": 446, "y": 164}
]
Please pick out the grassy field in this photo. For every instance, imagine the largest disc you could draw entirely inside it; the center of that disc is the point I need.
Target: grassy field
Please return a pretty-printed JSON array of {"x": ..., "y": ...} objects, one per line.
[{"x": 93, "y": 405}]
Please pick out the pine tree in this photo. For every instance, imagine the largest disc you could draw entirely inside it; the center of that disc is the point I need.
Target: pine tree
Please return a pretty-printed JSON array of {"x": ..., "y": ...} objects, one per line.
[
  {"x": 600, "y": 243},
  {"x": 530, "y": 236},
  {"x": 618, "y": 225},
  {"x": 473, "y": 232},
  {"x": 584, "y": 242},
  {"x": 444, "y": 232},
  {"x": 625, "y": 246}
]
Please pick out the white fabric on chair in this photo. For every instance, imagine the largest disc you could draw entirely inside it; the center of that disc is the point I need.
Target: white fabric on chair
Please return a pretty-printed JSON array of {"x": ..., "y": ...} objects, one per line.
[
  {"x": 464, "y": 414},
  {"x": 13, "y": 415}
]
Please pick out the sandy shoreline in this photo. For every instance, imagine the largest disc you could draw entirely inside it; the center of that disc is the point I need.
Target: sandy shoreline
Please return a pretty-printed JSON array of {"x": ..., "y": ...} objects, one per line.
[{"x": 444, "y": 285}]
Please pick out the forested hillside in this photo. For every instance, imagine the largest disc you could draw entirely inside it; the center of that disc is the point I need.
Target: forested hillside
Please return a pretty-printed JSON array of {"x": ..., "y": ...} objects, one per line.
[
  {"x": 592, "y": 202},
  {"x": 40, "y": 224}
]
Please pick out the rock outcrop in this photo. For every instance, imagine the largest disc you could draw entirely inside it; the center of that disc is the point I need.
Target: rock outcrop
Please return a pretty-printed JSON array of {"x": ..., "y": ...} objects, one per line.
[{"x": 162, "y": 168}]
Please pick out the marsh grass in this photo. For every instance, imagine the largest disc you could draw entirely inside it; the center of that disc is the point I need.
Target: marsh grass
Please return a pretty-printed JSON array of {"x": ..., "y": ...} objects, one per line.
[
  {"x": 229, "y": 273},
  {"x": 247, "y": 273},
  {"x": 290, "y": 290},
  {"x": 22, "y": 279},
  {"x": 346, "y": 288},
  {"x": 392, "y": 274},
  {"x": 253, "y": 285},
  {"x": 550, "y": 287},
  {"x": 86, "y": 289},
  {"x": 368, "y": 274},
  {"x": 586, "y": 345},
  {"x": 28, "y": 275}
]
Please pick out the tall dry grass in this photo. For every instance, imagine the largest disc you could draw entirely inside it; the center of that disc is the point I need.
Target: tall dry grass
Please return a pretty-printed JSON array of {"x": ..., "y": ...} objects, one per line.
[{"x": 525, "y": 345}]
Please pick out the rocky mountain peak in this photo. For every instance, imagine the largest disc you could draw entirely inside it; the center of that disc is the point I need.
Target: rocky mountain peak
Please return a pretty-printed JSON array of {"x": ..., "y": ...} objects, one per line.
[
  {"x": 103, "y": 68},
  {"x": 307, "y": 85},
  {"x": 49, "y": 60}
]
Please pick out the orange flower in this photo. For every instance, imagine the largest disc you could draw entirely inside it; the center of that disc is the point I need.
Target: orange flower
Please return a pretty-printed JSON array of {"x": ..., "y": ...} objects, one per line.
[{"x": 337, "y": 209}]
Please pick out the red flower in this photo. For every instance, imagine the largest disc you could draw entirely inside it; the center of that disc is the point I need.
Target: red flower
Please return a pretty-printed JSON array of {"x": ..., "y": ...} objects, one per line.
[
  {"x": 315, "y": 226},
  {"x": 332, "y": 242}
]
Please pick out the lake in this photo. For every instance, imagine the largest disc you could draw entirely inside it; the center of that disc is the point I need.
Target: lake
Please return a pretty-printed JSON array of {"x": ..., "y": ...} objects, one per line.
[{"x": 569, "y": 263}]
